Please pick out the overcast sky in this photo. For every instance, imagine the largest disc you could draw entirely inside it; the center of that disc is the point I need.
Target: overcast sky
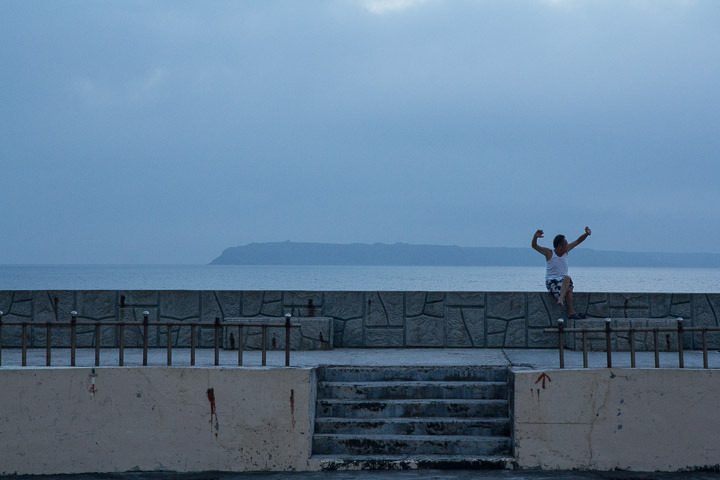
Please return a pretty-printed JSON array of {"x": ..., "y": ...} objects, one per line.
[{"x": 164, "y": 132}]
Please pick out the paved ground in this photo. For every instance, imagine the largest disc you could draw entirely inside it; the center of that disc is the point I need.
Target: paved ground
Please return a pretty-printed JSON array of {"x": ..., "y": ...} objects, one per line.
[
  {"x": 528, "y": 358},
  {"x": 386, "y": 475}
]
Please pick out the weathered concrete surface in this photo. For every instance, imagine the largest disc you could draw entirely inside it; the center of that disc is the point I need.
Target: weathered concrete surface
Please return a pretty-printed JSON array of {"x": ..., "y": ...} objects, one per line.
[
  {"x": 639, "y": 420},
  {"x": 148, "y": 419}
]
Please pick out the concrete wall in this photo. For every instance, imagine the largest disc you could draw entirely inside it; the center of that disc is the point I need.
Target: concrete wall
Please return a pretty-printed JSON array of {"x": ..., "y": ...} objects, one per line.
[
  {"x": 642, "y": 420},
  {"x": 360, "y": 319},
  {"x": 154, "y": 419}
]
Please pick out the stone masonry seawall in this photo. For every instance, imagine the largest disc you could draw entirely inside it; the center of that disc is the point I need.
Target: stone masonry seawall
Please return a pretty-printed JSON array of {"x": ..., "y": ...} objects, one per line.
[{"x": 360, "y": 319}]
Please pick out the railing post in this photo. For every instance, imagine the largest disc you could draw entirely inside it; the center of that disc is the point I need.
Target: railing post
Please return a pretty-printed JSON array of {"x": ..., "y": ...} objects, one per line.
[
  {"x": 1, "y": 315},
  {"x": 73, "y": 335},
  {"x": 561, "y": 345},
  {"x": 121, "y": 352},
  {"x": 217, "y": 341},
  {"x": 240, "y": 344},
  {"x": 48, "y": 344},
  {"x": 24, "y": 344},
  {"x": 97, "y": 344},
  {"x": 680, "y": 342},
  {"x": 584, "y": 348},
  {"x": 608, "y": 342},
  {"x": 192, "y": 344},
  {"x": 704, "y": 342},
  {"x": 632, "y": 348},
  {"x": 145, "y": 337},
  {"x": 657, "y": 348},
  {"x": 287, "y": 339},
  {"x": 169, "y": 345},
  {"x": 264, "y": 345}
]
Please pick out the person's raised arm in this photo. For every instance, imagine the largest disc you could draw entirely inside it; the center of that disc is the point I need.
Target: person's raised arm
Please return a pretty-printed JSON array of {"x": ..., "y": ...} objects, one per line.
[
  {"x": 580, "y": 239},
  {"x": 545, "y": 251}
]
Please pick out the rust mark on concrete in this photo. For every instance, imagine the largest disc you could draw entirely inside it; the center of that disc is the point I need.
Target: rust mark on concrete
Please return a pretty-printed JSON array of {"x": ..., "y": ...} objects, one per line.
[
  {"x": 214, "y": 424},
  {"x": 292, "y": 408},
  {"x": 544, "y": 376}
]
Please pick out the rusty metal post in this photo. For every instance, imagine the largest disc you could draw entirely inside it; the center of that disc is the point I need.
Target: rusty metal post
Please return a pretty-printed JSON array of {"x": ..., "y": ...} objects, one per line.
[
  {"x": 24, "y": 344},
  {"x": 48, "y": 344},
  {"x": 264, "y": 345},
  {"x": 121, "y": 352},
  {"x": 657, "y": 348},
  {"x": 1, "y": 315},
  {"x": 73, "y": 336},
  {"x": 287, "y": 339},
  {"x": 169, "y": 345},
  {"x": 632, "y": 348},
  {"x": 217, "y": 341},
  {"x": 97, "y": 344},
  {"x": 705, "y": 355},
  {"x": 240, "y": 344},
  {"x": 561, "y": 345},
  {"x": 608, "y": 342},
  {"x": 584, "y": 348},
  {"x": 145, "y": 337},
  {"x": 681, "y": 360},
  {"x": 192, "y": 344}
]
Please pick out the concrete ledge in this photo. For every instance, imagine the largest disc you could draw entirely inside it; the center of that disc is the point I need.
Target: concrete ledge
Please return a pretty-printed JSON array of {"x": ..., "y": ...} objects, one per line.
[
  {"x": 149, "y": 419},
  {"x": 617, "y": 419}
]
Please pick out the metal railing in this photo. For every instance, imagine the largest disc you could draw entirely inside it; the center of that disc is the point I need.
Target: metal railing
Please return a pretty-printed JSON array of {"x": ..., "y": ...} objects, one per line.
[
  {"x": 609, "y": 330},
  {"x": 146, "y": 324}
]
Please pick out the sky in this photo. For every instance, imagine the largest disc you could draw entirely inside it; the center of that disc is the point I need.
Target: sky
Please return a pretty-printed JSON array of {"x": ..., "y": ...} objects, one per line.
[{"x": 163, "y": 132}]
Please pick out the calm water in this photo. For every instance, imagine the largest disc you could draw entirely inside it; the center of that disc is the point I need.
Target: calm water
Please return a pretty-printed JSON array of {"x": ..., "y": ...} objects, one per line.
[{"x": 369, "y": 278}]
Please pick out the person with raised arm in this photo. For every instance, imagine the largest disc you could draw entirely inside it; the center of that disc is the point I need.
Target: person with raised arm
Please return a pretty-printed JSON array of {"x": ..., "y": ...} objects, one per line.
[{"x": 557, "y": 280}]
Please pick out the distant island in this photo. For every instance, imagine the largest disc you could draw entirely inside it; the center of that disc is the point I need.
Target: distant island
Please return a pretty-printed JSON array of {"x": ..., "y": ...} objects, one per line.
[{"x": 300, "y": 253}]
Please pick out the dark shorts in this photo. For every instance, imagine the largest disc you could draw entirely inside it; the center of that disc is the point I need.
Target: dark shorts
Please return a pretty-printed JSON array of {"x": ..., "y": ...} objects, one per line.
[{"x": 554, "y": 286}]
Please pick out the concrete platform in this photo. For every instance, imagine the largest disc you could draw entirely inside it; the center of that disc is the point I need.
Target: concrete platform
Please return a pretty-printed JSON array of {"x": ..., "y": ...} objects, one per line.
[{"x": 520, "y": 358}]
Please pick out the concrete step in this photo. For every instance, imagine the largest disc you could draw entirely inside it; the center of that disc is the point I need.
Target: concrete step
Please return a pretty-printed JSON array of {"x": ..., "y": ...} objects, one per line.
[
  {"x": 413, "y": 462},
  {"x": 452, "y": 373},
  {"x": 409, "y": 444},
  {"x": 492, "y": 427},
  {"x": 411, "y": 408},
  {"x": 413, "y": 389}
]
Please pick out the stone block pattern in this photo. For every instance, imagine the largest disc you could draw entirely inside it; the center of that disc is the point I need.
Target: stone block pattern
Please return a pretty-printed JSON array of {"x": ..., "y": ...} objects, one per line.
[{"x": 358, "y": 319}]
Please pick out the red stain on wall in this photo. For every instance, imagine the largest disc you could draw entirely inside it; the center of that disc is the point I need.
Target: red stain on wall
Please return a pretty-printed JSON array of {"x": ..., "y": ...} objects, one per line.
[
  {"x": 292, "y": 408},
  {"x": 214, "y": 424}
]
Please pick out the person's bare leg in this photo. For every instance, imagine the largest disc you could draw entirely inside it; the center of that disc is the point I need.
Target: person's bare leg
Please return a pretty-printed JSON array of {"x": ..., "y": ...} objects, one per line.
[
  {"x": 564, "y": 289},
  {"x": 569, "y": 301}
]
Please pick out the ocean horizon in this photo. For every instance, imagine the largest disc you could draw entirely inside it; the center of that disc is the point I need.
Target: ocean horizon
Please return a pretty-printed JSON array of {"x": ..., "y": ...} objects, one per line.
[{"x": 351, "y": 278}]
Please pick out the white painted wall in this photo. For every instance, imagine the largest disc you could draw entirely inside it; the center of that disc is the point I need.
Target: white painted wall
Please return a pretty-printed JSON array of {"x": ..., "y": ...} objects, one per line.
[
  {"x": 154, "y": 419},
  {"x": 628, "y": 419}
]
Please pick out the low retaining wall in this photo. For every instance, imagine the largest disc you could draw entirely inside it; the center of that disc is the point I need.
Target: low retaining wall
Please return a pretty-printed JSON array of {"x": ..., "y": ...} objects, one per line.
[
  {"x": 640, "y": 420},
  {"x": 230, "y": 419},
  {"x": 359, "y": 319},
  {"x": 147, "y": 419}
]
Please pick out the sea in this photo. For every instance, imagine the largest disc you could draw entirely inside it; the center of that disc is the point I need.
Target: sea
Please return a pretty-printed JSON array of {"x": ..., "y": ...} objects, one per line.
[{"x": 351, "y": 278}]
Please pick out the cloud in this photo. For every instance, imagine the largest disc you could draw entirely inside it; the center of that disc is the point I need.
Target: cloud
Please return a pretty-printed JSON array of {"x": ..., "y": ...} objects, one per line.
[
  {"x": 381, "y": 7},
  {"x": 135, "y": 92}
]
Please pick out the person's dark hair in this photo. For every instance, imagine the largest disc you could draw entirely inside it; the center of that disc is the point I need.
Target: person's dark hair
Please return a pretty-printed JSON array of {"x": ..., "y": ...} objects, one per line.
[{"x": 558, "y": 240}]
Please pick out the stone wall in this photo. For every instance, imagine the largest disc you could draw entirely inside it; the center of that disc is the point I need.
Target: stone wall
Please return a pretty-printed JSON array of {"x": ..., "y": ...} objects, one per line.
[{"x": 360, "y": 319}]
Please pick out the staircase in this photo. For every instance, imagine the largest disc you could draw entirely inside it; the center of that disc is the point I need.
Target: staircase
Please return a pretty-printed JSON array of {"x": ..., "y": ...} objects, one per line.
[{"x": 412, "y": 417}]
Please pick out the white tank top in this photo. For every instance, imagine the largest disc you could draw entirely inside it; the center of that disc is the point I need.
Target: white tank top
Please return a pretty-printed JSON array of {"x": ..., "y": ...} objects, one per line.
[{"x": 557, "y": 267}]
